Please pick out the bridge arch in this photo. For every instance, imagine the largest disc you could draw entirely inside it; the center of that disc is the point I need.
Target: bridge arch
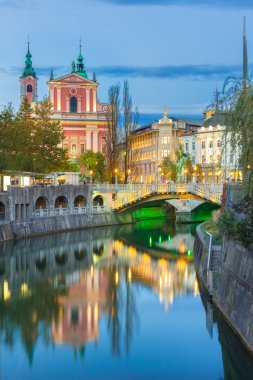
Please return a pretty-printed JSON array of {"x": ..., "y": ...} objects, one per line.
[
  {"x": 2, "y": 211},
  {"x": 98, "y": 200},
  {"x": 41, "y": 202},
  {"x": 61, "y": 202},
  {"x": 2, "y": 267},
  {"x": 41, "y": 263},
  {"x": 80, "y": 254},
  {"x": 61, "y": 258},
  {"x": 80, "y": 200},
  {"x": 98, "y": 249}
]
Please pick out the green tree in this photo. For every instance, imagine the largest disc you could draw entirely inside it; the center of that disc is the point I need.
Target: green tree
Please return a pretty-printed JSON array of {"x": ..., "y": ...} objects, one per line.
[
  {"x": 189, "y": 170},
  {"x": 7, "y": 128},
  {"x": 95, "y": 162},
  {"x": 31, "y": 140},
  {"x": 169, "y": 169},
  {"x": 239, "y": 132},
  {"x": 199, "y": 172},
  {"x": 47, "y": 137}
]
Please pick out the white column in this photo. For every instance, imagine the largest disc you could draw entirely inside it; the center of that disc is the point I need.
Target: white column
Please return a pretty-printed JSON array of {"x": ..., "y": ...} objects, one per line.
[
  {"x": 79, "y": 105},
  {"x": 94, "y": 101},
  {"x": 58, "y": 98},
  {"x": 52, "y": 96},
  {"x": 67, "y": 104},
  {"x": 88, "y": 100},
  {"x": 95, "y": 142},
  {"x": 88, "y": 140}
]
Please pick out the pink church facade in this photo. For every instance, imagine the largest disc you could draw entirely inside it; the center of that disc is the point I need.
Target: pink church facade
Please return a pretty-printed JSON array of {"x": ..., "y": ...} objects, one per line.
[{"x": 75, "y": 104}]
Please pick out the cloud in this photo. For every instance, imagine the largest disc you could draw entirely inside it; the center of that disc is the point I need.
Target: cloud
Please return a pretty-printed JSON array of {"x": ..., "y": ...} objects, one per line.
[
  {"x": 195, "y": 72},
  {"x": 183, "y": 3},
  {"x": 192, "y": 72},
  {"x": 40, "y": 71}
]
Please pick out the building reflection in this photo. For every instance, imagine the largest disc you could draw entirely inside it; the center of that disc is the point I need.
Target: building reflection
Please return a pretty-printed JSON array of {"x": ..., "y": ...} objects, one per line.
[
  {"x": 69, "y": 282},
  {"x": 80, "y": 309}
]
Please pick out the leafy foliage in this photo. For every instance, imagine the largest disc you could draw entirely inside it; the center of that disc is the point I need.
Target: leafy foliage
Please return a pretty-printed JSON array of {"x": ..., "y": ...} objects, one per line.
[
  {"x": 169, "y": 169},
  {"x": 30, "y": 140},
  {"x": 95, "y": 162},
  {"x": 239, "y": 130}
]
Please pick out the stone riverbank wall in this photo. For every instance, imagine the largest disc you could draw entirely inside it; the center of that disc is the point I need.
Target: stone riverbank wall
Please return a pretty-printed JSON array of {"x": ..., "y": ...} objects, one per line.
[
  {"x": 233, "y": 289},
  {"x": 41, "y": 210},
  {"x": 53, "y": 224}
]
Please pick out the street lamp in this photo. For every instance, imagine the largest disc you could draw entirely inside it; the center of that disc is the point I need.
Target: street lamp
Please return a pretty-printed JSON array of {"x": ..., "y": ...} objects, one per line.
[{"x": 116, "y": 176}]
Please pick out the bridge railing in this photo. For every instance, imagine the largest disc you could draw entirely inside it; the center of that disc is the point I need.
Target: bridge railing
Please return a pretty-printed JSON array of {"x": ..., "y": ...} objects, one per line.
[
  {"x": 210, "y": 192},
  {"x": 42, "y": 213},
  {"x": 107, "y": 187}
]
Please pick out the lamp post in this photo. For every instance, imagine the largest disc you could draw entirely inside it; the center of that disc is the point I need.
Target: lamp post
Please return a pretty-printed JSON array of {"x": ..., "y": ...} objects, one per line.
[{"x": 129, "y": 176}]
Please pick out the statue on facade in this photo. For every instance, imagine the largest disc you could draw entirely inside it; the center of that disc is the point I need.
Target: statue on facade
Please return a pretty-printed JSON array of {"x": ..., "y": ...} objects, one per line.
[{"x": 181, "y": 164}]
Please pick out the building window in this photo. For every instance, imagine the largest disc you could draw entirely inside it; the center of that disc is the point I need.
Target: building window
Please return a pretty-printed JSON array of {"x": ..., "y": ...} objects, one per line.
[
  {"x": 203, "y": 144},
  {"x": 165, "y": 139},
  {"x": 82, "y": 148},
  {"x": 211, "y": 144},
  {"x": 193, "y": 160},
  {"x": 29, "y": 88},
  {"x": 103, "y": 149},
  {"x": 73, "y": 104},
  {"x": 193, "y": 145},
  {"x": 186, "y": 147},
  {"x": 165, "y": 153},
  {"x": 218, "y": 143},
  {"x": 73, "y": 150},
  {"x": 203, "y": 159}
]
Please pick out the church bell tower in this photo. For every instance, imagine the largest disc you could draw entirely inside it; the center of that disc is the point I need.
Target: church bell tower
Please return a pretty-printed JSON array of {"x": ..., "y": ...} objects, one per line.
[{"x": 28, "y": 80}]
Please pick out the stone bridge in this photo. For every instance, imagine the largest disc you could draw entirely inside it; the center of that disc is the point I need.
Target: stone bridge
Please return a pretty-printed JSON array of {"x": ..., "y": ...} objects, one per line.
[
  {"x": 26, "y": 203},
  {"x": 192, "y": 193}
]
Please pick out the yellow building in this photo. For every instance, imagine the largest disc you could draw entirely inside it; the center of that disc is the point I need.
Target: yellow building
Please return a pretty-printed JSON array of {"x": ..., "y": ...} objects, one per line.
[{"x": 151, "y": 143}]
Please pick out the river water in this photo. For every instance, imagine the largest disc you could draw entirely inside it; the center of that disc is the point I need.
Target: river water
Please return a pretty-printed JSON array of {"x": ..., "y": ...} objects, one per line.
[{"x": 111, "y": 303}]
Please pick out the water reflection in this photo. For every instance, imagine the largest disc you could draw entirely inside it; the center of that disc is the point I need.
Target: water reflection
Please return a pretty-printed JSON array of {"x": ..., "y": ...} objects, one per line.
[
  {"x": 101, "y": 287},
  {"x": 58, "y": 287}
]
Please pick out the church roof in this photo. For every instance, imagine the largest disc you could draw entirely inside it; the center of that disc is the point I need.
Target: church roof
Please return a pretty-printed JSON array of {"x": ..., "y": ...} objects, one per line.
[{"x": 28, "y": 69}]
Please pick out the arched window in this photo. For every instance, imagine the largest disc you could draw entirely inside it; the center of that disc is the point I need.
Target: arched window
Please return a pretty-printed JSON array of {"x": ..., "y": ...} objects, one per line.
[
  {"x": 80, "y": 200},
  {"x": 74, "y": 149},
  {"x": 98, "y": 201},
  {"x": 73, "y": 104},
  {"x": 29, "y": 88},
  {"x": 2, "y": 211},
  {"x": 41, "y": 202},
  {"x": 61, "y": 202}
]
